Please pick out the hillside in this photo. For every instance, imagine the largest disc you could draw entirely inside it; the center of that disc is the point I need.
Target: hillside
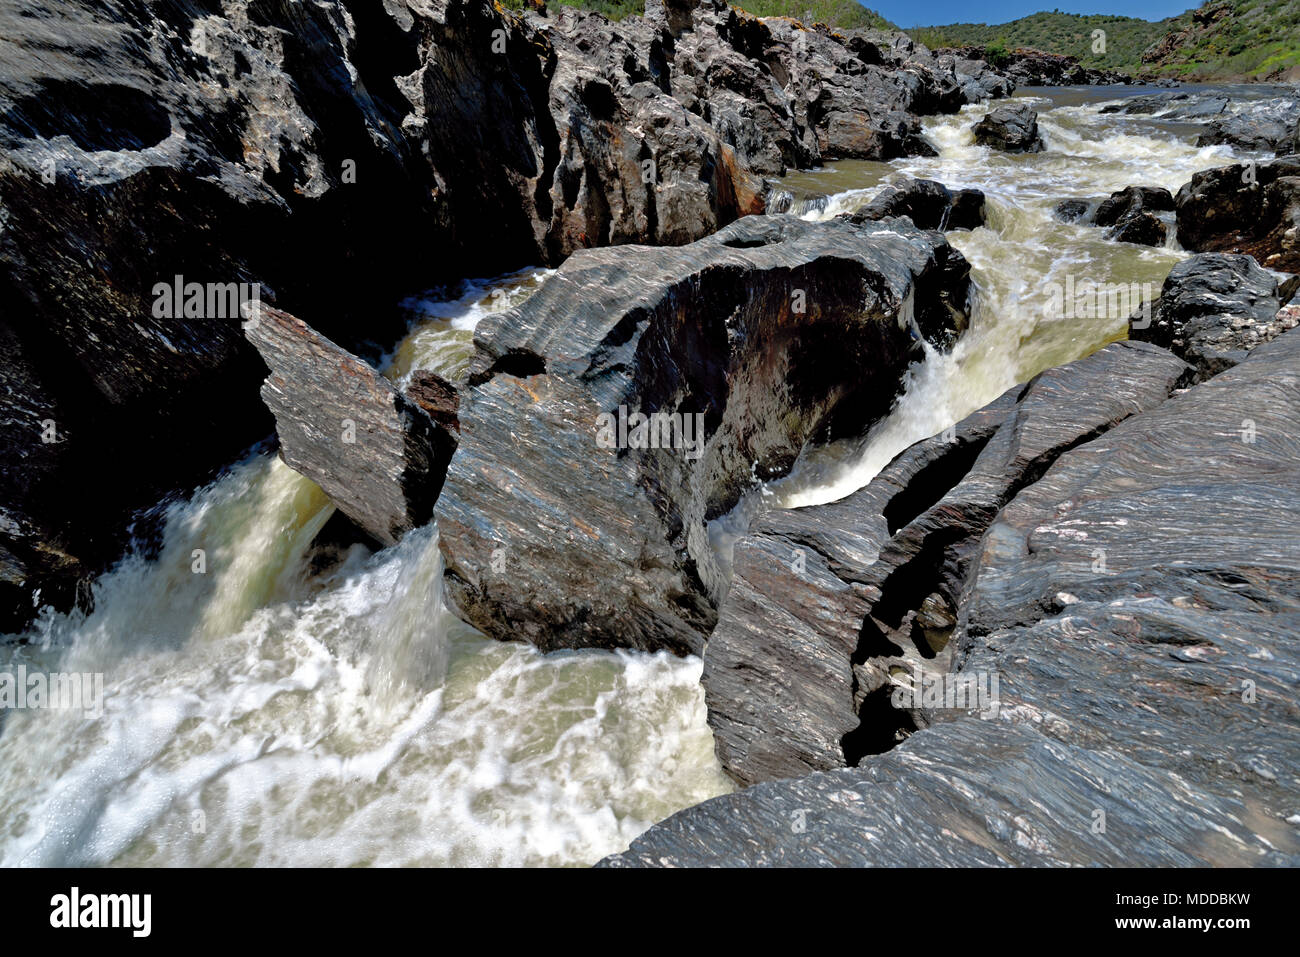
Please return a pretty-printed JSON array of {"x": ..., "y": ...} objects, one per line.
[
  {"x": 836, "y": 13},
  {"x": 1222, "y": 39}
]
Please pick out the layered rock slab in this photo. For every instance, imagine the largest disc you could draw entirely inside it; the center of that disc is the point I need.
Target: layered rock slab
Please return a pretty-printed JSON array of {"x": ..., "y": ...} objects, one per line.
[
  {"x": 771, "y": 334},
  {"x": 377, "y": 453},
  {"x": 1147, "y": 708},
  {"x": 828, "y": 603}
]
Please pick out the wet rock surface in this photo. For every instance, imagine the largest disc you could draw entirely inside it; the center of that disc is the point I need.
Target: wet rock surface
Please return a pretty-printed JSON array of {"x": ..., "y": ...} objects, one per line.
[
  {"x": 1013, "y": 129},
  {"x": 771, "y": 334},
  {"x": 374, "y": 451},
  {"x": 1138, "y": 603},
  {"x": 1251, "y": 208},
  {"x": 829, "y": 604},
  {"x": 1214, "y": 308},
  {"x": 928, "y": 204},
  {"x": 1130, "y": 215}
]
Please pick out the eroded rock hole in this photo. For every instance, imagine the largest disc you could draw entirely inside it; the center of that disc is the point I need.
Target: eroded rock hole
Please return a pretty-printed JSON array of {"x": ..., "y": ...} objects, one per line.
[{"x": 99, "y": 117}]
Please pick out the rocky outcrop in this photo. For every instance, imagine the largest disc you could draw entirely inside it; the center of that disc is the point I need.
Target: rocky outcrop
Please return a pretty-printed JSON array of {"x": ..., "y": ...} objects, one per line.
[
  {"x": 1214, "y": 308},
  {"x": 319, "y": 152},
  {"x": 1267, "y": 126},
  {"x": 1138, "y": 604},
  {"x": 641, "y": 391},
  {"x": 829, "y": 604},
  {"x": 1012, "y": 129},
  {"x": 928, "y": 204},
  {"x": 374, "y": 451},
  {"x": 1250, "y": 208},
  {"x": 1026, "y": 67},
  {"x": 1129, "y": 215},
  {"x": 1036, "y": 68}
]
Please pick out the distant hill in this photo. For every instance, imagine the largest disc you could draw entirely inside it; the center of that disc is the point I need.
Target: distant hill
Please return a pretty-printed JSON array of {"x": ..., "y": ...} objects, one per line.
[
  {"x": 1221, "y": 39},
  {"x": 836, "y": 13}
]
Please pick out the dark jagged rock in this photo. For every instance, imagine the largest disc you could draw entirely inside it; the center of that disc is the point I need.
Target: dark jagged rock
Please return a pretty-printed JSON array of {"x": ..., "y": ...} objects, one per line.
[
  {"x": 1139, "y": 604},
  {"x": 1025, "y": 67},
  {"x": 1036, "y": 68},
  {"x": 1076, "y": 210},
  {"x": 1139, "y": 227},
  {"x": 1147, "y": 103},
  {"x": 928, "y": 204},
  {"x": 326, "y": 150},
  {"x": 1214, "y": 308},
  {"x": 1118, "y": 204},
  {"x": 770, "y": 334},
  {"x": 1267, "y": 126},
  {"x": 375, "y": 452},
  {"x": 1250, "y": 208},
  {"x": 1126, "y": 214},
  {"x": 1013, "y": 129},
  {"x": 828, "y": 603}
]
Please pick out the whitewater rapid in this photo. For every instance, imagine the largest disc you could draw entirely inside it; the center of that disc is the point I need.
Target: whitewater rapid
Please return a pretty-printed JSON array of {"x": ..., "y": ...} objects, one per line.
[{"x": 265, "y": 712}]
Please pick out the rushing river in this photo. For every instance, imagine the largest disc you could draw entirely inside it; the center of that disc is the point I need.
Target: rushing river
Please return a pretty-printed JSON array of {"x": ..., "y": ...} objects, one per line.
[{"x": 263, "y": 711}]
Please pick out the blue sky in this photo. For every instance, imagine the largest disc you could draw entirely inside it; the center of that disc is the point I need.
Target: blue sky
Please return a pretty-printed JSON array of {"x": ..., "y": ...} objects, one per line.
[{"x": 912, "y": 13}]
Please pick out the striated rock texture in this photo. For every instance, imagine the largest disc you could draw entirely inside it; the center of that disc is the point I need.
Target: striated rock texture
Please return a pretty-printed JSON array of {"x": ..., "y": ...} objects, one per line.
[
  {"x": 1139, "y": 604},
  {"x": 751, "y": 343},
  {"x": 1250, "y": 208},
  {"x": 829, "y": 604},
  {"x": 375, "y": 452},
  {"x": 326, "y": 150},
  {"x": 1214, "y": 308},
  {"x": 1012, "y": 129}
]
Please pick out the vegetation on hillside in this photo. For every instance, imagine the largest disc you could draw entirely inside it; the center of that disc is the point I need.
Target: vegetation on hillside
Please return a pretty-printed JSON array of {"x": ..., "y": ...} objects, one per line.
[
  {"x": 836, "y": 13},
  {"x": 1221, "y": 39}
]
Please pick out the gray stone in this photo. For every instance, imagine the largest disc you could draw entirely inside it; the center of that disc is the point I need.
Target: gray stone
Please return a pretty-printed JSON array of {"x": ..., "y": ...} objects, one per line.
[
  {"x": 774, "y": 332},
  {"x": 375, "y": 452},
  {"x": 1139, "y": 603}
]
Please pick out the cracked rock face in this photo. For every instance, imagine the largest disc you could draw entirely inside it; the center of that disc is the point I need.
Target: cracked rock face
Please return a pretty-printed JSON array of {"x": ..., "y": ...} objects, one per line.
[
  {"x": 1138, "y": 604},
  {"x": 830, "y": 604},
  {"x": 766, "y": 336}
]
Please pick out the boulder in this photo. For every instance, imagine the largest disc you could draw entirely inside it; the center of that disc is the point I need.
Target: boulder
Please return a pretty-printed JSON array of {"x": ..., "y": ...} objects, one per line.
[
  {"x": 374, "y": 451},
  {"x": 1214, "y": 308},
  {"x": 1139, "y": 597},
  {"x": 1129, "y": 215},
  {"x": 1249, "y": 208},
  {"x": 568, "y": 519},
  {"x": 928, "y": 204},
  {"x": 1012, "y": 129},
  {"x": 829, "y": 603}
]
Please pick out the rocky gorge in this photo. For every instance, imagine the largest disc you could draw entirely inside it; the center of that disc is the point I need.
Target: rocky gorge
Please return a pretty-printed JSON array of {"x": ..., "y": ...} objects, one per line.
[{"x": 1099, "y": 555}]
